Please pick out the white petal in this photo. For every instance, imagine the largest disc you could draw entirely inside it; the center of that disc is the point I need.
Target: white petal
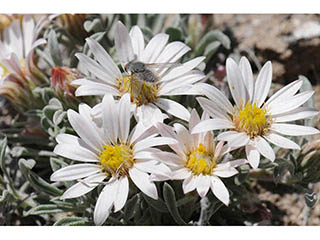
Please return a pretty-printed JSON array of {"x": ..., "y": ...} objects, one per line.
[
  {"x": 188, "y": 184},
  {"x": 217, "y": 97},
  {"x": 173, "y": 52},
  {"x": 85, "y": 130},
  {"x": 289, "y": 103},
  {"x": 236, "y": 83},
  {"x": 122, "y": 194},
  {"x": 285, "y": 92},
  {"x": 137, "y": 41},
  {"x": 110, "y": 118},
  {"x": 203, "y": 185},
  {"x": 247, "y": 76},
  {"x": 181, "y": 173},
  {"x": 154, "y": 48},
  {"x": 212, "y": 109},
  {"x": 141, "y": 180},
  {"x": 234, "y": 139},
  {"x": 219, "y": 190},
  {"x": 104, "y": 58},
  {"x": 264, "y": 148},
  {"x": 76, "y": 171},
  {"x": 296, "y": 114},
  {"x": 263, "y": 84},
  {"x": 174, "y": 108},
  {"x": 93, "y": 67},
  {"x": 93, "y": 89},
  {"x": 293, "y": 130},
  {"x": 81, "y": 188},
  {"x": 183, "y": 136},
  {"x": 181, "y": 70},
  {"x": 225, "y": 173},
  {"x": 149, "y": 115},
  {"x": 281, "y": 141},
  {"x": 212, "y": 124},
  {"x": 123, "y": 44},
  {"x": 140, "y": 132},
  {"x": 152, "y": 142},
  {"x": 124, "y": 117},
  {"x": 75, "y": 152},
  {"x": 105, "y": 203},
  {"x": 168, "y": 158},
  {"x": 253, "y": 156}
]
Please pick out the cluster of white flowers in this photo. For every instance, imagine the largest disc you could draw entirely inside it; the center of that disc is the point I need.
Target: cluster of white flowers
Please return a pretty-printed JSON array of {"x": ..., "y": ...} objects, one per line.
[{"x": 118, "y": 142}]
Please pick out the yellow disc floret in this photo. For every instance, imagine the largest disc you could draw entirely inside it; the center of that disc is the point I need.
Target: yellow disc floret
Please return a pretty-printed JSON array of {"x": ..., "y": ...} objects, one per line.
[
  {"x": 116, "y": 160},
  {"x": 252, "y": 119},
  {"x": 141, "y": 92},
  {"x": 200, "y": 161}
]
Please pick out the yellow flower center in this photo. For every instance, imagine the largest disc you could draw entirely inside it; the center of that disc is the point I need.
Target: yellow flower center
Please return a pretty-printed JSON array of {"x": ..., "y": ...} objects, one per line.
[
  {"x": 141, "y": 92},
  {"x": 116, "y": 160},
  {"x": 5, "y": 21},
  {"x": 252, "y": 120},
  {"x": 200, "y": 161}
]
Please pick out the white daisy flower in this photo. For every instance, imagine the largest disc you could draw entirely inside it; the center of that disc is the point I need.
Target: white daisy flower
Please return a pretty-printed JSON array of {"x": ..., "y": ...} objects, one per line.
[
  {"x": 147, "y": 86},
  {"x": 253, "y": 120},
  {"x": 198, "y": 159},
  {"x": 110, "y": 152},
  {"x": 17, "y": 47}
]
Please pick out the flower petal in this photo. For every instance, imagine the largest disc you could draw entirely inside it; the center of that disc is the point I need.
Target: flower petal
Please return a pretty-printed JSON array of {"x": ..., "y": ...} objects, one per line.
[
  {"x": 203, "y": 185},
  {"x": 188, "y": 184},
  {"x": 296, "y": 114},
  {"x": 105, "y": 202},
  {"x": 281, "y": 141},
  {"x": 293, "y": 130},
  {"x": 219, "y": 190},
  {"x": 152, "y": 142},
  {"x": 236, "y": 83},
  {"x": 154, "y": 48},
  {"x": 247, "y": 76},
  {"x": 215, "y": 95},
  {"x": 137, "y": 41},
  {"x": 174, "y": 108},
  {"x": 212, "y": 109},
  {"x": 225, "y": 173},
  {"x": 264, "y": 148},
  {"x": 122, "y": 194},
  {"x": 123, "y": 44},
  {"x": 83, "y": 187},
  {"x": 289, "y": 103},
  {"x": 141, "y": 180},
  {"x": 263, "y": 83},
  {"x": 75, "y": 152},
  {"x": 253, "y": 156},
  {"x": 124, "y": 117},
  {"x": 212, "y": 124},
  {"x": 110, "y": 118},
  {"x": 76, "y": 171}
]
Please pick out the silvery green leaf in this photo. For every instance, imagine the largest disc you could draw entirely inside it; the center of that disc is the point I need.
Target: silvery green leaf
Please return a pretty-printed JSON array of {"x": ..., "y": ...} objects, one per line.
[
  {"x": 94, "y": 25},
  {"x": 214, "y": 35},
  {"x": 174, "y": 34},
  {"x": 35, "y": 181},
  {"x": 54, "y": 48},
  {"x": 279, "y": 171},
  {"x": 46, "y": 123},
  {"x": 211, "y": 49},
  {"x": 157, "y": 204},
  {"x": 56, "y": 103},
  {"x": 72, "y": 221},
  {"x": 131, "y": 207},
  {"x": 18, "y": 151},
  {"x": 58, "y": 117},
  {"x": 57, "y": 163},
  {"x": 43, "y": 209},
  {"x": 310, "y": 199},
  {"x": 3, "y": 148},
  {"x": 170, "y": 200},
  {"x": 96, "y": 36},
  {"x": 5, "y": 196}
]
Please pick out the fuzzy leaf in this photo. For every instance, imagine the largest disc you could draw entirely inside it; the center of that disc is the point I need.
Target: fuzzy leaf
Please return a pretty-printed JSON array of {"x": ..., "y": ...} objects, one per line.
[
  {"x": 156, "y": 204},
  {"x": 211, "y": 49},
  {"x": 3, "y": 147},
  {"x": 214, "y": 35},
  {"x": 170, "y": 200},
  {"x": 310, "y": 199},
  {"x": 72, "y": 221},
  {"x": 54, "y": 48},
  {"x": 131, "y": 207},
  {"x": 43, "y": 209},
  {"x": 174, "y": 34}
]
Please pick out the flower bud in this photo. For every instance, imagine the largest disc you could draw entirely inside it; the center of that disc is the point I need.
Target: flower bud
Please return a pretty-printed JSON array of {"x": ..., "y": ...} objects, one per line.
[{"x": 61, "y": 78}]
